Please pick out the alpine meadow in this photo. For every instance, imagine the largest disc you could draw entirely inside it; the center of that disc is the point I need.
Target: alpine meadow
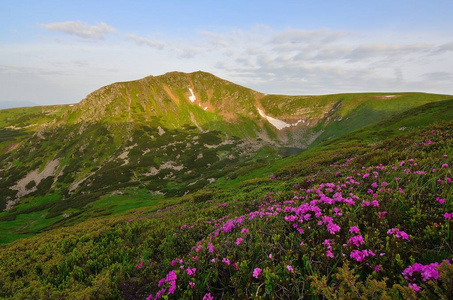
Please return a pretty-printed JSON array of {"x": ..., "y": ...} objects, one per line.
[{"x": 188, "y": 186}]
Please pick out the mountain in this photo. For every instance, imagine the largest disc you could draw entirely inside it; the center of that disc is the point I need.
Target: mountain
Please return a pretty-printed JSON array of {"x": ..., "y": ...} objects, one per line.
[
  {"x": 363, "y": 215},
  {"x": 161, "y": 137}
]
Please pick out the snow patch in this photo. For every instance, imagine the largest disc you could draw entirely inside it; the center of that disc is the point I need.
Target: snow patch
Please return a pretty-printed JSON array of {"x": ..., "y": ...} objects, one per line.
[
  {"x": 279, "y": 124},
  {"x": 192, "y": 97}
]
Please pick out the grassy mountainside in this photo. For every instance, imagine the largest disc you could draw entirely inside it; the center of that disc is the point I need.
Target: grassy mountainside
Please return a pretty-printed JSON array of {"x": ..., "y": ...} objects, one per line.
[
  {"x": 364, "y": 216},
  {"x": 158, "y": 138}
]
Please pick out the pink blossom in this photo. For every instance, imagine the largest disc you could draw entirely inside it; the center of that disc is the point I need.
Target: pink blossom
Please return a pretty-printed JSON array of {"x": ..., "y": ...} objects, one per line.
[
  {"x": 399, "y": 234},
  {"x": 208, "y": 296},
  {"x": 290, "y": 268},
  {"x": 333, "y": 228},
  {"x": 415, "y": 287},
  {"x": 150, "y": 297},
  {"x": 440, "y": 200},
  {"x": 245, "y": 230},
  {"x": 354, "y": 229},
  {"x": 444, "y": 165},
  {"x": 239, "y": 241},
  {"x": 427, "y": 272},
  {"x": 210, "y": 247},
  {"x": 190, "y": 271},
  {"x": 361, "y": 255},
  {"x": 448, "y": 216},
  {"x": 356, "y": 240},
  {"x": 377, "y": 268},
  {"x": 192, "y": 284},
  {"x": 256, "y": 272},
  {"x": 226, "y": 261},
  {"x": 329, "y": 254}
]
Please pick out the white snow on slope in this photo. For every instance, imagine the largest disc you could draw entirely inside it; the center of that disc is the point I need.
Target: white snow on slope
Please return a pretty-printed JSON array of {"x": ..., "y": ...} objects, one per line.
[
  {"x": 192, "y": 98},
  {"x": 279, "y": 124}
]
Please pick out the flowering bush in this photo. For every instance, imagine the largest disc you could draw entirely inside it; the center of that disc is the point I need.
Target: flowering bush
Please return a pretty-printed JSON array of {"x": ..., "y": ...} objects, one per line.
[{"x": 354, "y": 220}]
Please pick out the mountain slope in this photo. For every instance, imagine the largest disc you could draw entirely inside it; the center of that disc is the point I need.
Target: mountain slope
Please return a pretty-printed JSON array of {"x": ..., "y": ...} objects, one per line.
[
  {"x": 161, "y": 137},
  {"x": 366, "y": 215}
]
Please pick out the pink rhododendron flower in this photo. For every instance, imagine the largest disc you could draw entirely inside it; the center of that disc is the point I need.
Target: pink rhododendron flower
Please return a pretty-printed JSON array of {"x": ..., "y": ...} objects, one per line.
[
  {"x": 356, "y": 240},
  {"x": 239, "y": 241},
  {"x": 210, "y": 247},
  {"x": 399, "y": 234},
  {"x": 354, "y": 229},
  {"x": 208, "y": 296},
  {"x": 190, "y": 271},
  {"x": 256, "y": 272},
  {"x": 415, "y": 287},
  {"x": 440, "y": 200},
  {"x": 448, "y": 216}
]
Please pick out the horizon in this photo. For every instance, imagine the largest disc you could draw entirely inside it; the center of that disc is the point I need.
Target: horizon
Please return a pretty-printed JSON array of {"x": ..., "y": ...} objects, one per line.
[{"x": 58, "y": 53}]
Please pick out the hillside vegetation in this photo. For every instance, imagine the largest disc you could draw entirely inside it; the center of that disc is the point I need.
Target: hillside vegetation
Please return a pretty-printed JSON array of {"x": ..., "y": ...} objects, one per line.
[
  {"x": 134, "y": 144},
  {"x": 363, "y": 216}
]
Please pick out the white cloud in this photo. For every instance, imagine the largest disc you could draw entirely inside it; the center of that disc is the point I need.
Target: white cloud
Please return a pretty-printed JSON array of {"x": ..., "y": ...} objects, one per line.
[
  {"x": 145, "y": 41},
  {"x": 80, "y": 29}
]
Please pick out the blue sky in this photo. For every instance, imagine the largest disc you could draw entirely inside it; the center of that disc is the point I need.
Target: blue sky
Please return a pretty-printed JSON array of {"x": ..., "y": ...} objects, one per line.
[{"x": 60, "y": 51}]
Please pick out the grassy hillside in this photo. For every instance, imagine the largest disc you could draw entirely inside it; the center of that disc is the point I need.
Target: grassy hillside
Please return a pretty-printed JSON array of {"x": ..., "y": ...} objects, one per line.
[
  {"x": 161, "y": 137},
  {"x": 364, "y": 216}
]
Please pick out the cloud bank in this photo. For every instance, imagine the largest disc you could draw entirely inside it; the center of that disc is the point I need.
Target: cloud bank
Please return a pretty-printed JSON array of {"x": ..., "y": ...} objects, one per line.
[{"x": 80, "y": 29}]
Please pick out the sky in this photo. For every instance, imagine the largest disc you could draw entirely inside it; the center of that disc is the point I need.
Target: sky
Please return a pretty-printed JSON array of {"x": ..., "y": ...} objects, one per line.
[{"x": 57, "y": 52}]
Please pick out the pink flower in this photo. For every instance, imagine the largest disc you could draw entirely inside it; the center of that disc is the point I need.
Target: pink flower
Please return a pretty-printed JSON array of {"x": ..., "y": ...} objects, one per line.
[
  {"x": 192, "y": 284},
  {"x": 226, "y": 261},
  {"x": 190, "y": 271},
  {"x": 374, "y": 185},
  {"x": 415, "y": 287},
  {"x": 444, "y": 165},
  {"x": 399, "y": 234},
  {"x": 290, "y": 268},
  {"x": 245, "y": 230},
  {"x": 210, "y": 247},
  {"x": 354, "y": 229},
  {"x": 208, "y": 296},
  {"x": 333, "y": 228},
  {"x": 256, "y": 272},
  {"x": 329, "y": 254},
  {"x": 356, "y": 240},
  {"x": 377, "y": 268},
  {"x": 150, "y": 297},
  {"x": 440, "y": 200},
  {"x": 448, "y": 216},
  {"x": 239, "y": 241}
]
